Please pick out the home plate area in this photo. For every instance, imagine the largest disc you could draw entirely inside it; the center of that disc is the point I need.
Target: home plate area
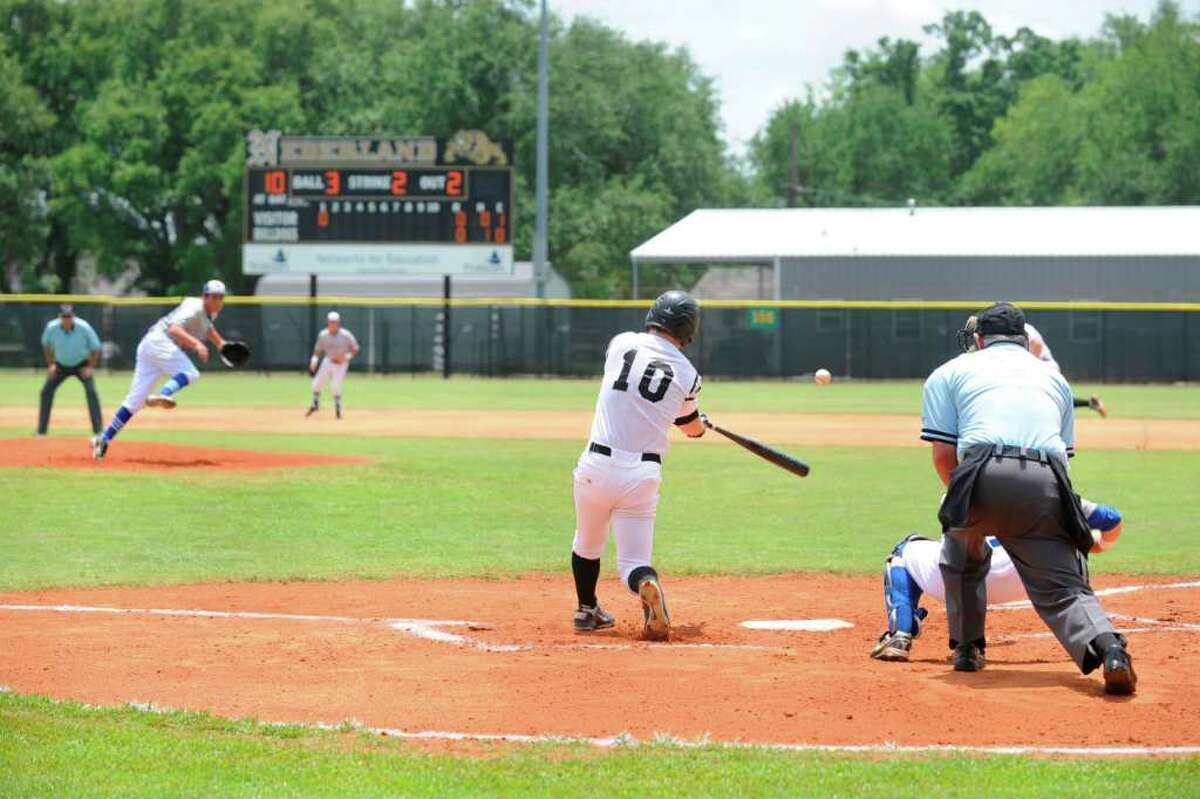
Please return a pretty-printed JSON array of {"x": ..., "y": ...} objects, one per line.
[{"x": 773, "y": 660}]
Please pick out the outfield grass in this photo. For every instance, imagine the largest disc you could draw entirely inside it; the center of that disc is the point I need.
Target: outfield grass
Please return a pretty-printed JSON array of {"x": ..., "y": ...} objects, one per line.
[
  {"x": 455, "y": 507},
  {"x": 65, "y": 749},
  {"x": 403, "y": 392}
]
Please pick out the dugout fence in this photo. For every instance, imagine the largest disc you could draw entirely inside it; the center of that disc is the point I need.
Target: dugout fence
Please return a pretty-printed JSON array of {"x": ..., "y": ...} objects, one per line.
[{"x": 1153, "y": 342}]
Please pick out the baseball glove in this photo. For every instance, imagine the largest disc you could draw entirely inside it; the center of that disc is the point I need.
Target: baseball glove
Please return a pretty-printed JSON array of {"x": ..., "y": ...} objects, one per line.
[{"x": 235, "y": 354}]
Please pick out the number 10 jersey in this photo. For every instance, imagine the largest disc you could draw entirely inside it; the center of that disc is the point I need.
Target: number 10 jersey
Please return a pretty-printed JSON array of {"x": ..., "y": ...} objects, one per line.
[{"x": 648, "y": 385}]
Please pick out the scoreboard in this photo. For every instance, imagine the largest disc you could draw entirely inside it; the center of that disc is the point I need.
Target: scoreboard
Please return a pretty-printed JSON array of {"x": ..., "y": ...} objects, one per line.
[{"x": 325, "y": 205}]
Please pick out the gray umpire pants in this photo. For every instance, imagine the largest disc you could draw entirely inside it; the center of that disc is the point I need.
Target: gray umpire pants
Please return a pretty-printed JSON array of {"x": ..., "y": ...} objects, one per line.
[
  {"x": 51, "y": 385},
  {"x": 1018, "y": 501}
]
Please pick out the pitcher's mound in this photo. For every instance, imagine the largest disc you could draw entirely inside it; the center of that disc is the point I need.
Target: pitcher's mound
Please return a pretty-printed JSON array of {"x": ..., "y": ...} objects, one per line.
[{"x": 138, "y": 456}]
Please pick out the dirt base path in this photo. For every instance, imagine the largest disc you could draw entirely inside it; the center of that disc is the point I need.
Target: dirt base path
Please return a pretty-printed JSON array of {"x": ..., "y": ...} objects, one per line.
[
  {"x": 780, "y": 428},
  {"x": 140, "y": 456},
  {"x": 473, "y": 656}
]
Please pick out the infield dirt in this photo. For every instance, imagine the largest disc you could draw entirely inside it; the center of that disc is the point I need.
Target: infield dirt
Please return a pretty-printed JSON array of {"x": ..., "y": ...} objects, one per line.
[{"x": 305, "y": 652}]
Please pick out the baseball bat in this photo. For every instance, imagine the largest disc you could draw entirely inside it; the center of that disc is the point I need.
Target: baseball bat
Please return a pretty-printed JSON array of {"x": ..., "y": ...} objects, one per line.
[{"x": 769, "y": 454}]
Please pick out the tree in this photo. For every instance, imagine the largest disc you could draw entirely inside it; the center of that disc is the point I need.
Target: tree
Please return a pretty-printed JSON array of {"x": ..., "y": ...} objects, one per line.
[{"x": 23, "y": 177}]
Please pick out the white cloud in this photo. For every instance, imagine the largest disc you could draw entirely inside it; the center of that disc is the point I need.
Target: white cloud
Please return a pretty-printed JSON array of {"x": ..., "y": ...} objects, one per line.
[{"x": 761, "y": 52}]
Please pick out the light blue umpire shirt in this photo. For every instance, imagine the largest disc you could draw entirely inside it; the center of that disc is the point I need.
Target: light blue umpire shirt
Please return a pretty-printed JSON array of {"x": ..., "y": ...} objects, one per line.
[
  {"x": 1001, "y": 394},
  {"x": 70, "y": 348}
]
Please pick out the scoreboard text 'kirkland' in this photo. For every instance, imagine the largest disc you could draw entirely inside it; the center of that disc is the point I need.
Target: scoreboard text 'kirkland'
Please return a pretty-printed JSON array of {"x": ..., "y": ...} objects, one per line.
[{"x": 348, "y": 204}]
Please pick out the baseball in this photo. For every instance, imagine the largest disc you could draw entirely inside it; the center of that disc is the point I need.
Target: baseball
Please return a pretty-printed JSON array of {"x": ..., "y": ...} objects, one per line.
[{"x": 823, "y": 377}]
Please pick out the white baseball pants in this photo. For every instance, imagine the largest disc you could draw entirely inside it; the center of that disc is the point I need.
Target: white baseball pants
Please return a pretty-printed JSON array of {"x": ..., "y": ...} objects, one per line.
[
  {"x": 330, "y": 372},
  {"x": 620, "y": 491},
  {"x": 157, "y": 357},
  {"x": 921, "y": 559}
]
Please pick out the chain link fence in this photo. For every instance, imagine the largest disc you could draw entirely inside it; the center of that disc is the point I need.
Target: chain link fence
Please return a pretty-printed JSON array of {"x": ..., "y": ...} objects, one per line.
[{"x": 1098, "y": 342}]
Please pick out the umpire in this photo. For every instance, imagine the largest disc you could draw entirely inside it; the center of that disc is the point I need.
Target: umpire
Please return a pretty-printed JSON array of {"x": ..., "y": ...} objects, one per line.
[
  {"x": 72, "y": 349},
  {"x": 1002, "y": 428}
]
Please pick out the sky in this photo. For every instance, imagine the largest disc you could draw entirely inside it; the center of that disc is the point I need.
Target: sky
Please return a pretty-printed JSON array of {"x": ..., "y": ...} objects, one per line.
[{"x": 763, "y": 52}]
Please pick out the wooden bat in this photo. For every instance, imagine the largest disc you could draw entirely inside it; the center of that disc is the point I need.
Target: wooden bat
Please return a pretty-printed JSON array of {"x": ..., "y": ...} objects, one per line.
[{"x": 770, "y": 454}]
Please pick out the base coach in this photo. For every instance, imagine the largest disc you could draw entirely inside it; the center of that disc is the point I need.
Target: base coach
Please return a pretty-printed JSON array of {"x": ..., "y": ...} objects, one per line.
[
  {"x": 1002, "y": 428},
  {"x": 72, "y": 349}
]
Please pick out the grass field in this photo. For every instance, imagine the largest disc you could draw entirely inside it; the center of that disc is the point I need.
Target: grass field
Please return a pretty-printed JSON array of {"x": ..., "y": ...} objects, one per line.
[
  {"x": 374, "y": 391},
  {"x": 64, "y": 749},
  {"x": 495, "y": 508}
]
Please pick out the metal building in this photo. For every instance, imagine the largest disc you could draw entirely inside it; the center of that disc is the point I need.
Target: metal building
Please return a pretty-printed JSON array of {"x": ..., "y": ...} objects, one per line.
[{"x": 1135, "y": 254}]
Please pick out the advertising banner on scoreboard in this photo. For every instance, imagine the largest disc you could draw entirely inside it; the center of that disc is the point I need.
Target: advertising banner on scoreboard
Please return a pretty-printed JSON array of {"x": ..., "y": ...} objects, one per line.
[{"x": 397, "y": 259}]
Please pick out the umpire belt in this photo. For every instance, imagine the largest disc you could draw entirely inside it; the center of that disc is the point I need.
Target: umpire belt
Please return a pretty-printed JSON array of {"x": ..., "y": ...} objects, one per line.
[
  {"x": 1021, "y": 453},
  {"x": 606, "y": 451}
]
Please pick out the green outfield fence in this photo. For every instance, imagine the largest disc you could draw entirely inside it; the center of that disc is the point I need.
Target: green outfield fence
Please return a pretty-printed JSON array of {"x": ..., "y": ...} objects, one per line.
[{"x": 1110, "y": 341}]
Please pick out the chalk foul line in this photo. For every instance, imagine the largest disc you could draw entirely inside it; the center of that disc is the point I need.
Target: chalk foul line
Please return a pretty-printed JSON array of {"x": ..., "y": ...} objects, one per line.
[{"x": 627, "y": 740}]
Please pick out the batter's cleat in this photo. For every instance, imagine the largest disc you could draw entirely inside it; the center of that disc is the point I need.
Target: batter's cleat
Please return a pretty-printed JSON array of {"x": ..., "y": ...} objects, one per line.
[
  {"x": 99, "y": 447},
  {"x": 657, "y": 626},
  {"x": 895, "y": 647},
  {"x": 311, "y": 410},
  {"x": 589, "y": 619},
  {"x": 1119, "y": 677},
  {"x": 1097, "y": 405},
  {"x": 160, "y": 401},
  {"x": 968, "y": 657}
]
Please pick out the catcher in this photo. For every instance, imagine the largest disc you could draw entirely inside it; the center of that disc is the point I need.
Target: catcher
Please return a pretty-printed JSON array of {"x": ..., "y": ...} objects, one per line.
[
  {"x": 163, "y": 352},
  {"x": 912, "y": 570},
  {"x": 338, "y": 345}
]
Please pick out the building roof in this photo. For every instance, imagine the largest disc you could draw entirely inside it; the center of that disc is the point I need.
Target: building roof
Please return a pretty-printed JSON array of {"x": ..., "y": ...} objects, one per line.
[{"x": 709, "y": 235}]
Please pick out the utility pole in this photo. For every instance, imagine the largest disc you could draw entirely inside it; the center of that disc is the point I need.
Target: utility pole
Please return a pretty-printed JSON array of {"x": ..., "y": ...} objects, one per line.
[{"x": 540, "y": 241}]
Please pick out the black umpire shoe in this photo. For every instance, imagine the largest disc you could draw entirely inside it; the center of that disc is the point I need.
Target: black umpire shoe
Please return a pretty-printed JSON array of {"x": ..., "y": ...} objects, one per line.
[
  {"x": 1119, "y": 677},
  {"x": 589, "y": 619},
  {"x": 968, "y": 657}
]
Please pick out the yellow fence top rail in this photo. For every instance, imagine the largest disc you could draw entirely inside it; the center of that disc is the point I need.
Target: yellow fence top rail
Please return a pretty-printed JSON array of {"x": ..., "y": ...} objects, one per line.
[{"x": 470, "y": 302}]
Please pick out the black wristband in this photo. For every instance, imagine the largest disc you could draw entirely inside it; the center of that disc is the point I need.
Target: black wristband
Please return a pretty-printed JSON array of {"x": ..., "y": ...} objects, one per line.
[{"x": 691, "y": 417}]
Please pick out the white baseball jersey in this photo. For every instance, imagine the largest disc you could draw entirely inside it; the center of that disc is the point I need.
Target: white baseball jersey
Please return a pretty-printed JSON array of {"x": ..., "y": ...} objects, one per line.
[
  {"x": 1046, "y": 356},
  {"x": 190, "y": 315},
  {"x": 648, "y": 384},
  {"x": 335, "y": 344}
]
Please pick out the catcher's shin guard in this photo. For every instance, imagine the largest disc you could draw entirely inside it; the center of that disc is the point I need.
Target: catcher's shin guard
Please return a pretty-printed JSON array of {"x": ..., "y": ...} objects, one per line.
[{"x": 901, "y": 594}]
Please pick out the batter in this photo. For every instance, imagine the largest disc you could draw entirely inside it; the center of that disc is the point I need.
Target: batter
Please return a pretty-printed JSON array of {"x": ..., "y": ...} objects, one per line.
[
  {"x": 162, "y": 353},
  {"x": 649, "y": 385},
  {"x": 338, "y": 346}
]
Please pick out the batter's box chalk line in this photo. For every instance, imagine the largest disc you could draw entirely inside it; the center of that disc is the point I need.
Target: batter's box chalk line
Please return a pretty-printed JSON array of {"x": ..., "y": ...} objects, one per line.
[
  {"x": 425, "y": 629},
  {"x": 624, "y": 739}
]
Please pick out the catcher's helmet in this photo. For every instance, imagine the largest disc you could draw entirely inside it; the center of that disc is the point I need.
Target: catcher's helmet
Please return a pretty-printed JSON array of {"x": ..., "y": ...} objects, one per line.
[{"x": 676, "y": 312}]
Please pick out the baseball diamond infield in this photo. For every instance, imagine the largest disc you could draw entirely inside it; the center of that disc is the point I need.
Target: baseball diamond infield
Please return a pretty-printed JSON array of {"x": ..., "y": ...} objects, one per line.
[{"x": 478, "y": 657}]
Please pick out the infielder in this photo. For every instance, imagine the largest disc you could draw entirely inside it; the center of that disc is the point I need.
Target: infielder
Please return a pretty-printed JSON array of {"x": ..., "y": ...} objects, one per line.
[
  {"x": 338, "y": 345},
  {"x": 911, "y": 570},
  {"x": 72, "y": 349},
  {"x": 162, "y": 353},
  {"x": 1039, "y": 347},
  {"x": 648, "y": 385}
]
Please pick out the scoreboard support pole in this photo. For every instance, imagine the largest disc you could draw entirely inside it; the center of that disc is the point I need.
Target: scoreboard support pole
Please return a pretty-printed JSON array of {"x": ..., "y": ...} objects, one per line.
[
  {"x": 445, "y": 327},
  {"x": 312, "y": 307}
]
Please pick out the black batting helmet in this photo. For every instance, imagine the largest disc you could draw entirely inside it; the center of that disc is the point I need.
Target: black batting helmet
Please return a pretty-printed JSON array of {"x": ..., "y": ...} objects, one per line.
[{"x": 677, "y": 313}]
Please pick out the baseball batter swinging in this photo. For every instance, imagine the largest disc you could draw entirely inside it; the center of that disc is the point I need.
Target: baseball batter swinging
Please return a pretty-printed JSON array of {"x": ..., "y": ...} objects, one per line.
[
  {"x": 648, "y": 385},
  {"x": 338, "y": 345}
]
